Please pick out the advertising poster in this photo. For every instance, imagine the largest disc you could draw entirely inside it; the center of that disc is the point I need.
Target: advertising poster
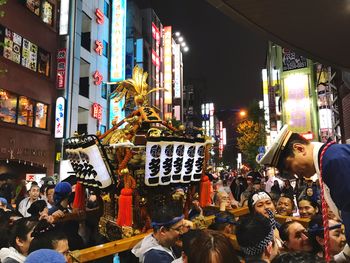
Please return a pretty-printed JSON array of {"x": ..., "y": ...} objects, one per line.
[
  {"x": 34, "y": 6},
  {"x": 297, "y": 112},
  {"x": 116, "y": 111},
  {"x": 47, "y": 13},
  {"x": 29, "y": 54},
  {"x": 12, "y": 46}
]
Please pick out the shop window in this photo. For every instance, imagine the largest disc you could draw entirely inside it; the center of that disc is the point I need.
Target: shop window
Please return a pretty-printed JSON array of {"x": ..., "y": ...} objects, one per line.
[
  {"x": 105, "y": 49},
  {"x": 40, "y": 115},
  {"x": 104, "y": 91},
  {"x": 106, "y": 9},
  {"x": 82, "y": 128},
  {"x": 8, "y": 106},
  {"x": 43, "y": 62},
  {"x": 34, "y": 6},
  {"x": 47, "y": 12},
  {"x": 86, "y": 32},
  {"x": 25, "y": 111}
]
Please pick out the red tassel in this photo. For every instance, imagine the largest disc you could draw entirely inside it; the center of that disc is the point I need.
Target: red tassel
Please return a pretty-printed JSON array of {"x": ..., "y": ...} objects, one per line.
[
  {"x": 79, "y": 198},
  {"x": 125, "y": 208},
  {"x": 204, "y": 192}
]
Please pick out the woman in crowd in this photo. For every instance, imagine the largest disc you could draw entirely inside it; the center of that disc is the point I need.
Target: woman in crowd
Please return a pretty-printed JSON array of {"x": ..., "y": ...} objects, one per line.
[
  {"x": 19, "y": 242},
  {"x": 336, "y": 236},
  {"x": 276, "y": 188},
  {"x": 288, "y": 189},
  {"x": 295, "y": 237},
  {"x": 309, "y": 193},
  {"x": 307, "y": 207},
  {"x": 214, "y": 247}
]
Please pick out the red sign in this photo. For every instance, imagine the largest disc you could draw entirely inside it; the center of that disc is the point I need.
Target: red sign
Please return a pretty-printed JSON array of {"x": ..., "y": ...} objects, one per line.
[
  {"x": 61, "y": 67},
  {"x": 99, "y": 16},
  {"x": 97, "y": 78},
  {"x": 99, "y": 47},
  {"x": 97, "y": 111}
]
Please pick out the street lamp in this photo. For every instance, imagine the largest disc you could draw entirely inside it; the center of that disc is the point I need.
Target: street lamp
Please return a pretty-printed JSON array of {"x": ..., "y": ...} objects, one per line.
[
  {"x": 181, "y": 41},
  {"x": 243, "y": 113}
]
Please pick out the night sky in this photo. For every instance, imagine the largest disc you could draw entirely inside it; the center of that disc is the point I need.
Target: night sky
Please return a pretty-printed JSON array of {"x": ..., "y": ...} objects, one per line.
[{"x": 226, "y": 55}]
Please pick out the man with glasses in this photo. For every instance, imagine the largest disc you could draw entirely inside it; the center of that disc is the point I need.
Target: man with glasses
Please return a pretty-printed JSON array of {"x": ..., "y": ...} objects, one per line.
[{"x": 167, "y": 225}]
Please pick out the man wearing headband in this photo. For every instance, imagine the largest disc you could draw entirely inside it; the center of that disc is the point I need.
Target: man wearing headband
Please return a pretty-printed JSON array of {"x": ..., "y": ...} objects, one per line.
[
  {"x": 256, "y": 239},
  {"x": 293, "y": 153},
  {"x": 224, "y": 222},
  {"x": 167, "y": 226}
]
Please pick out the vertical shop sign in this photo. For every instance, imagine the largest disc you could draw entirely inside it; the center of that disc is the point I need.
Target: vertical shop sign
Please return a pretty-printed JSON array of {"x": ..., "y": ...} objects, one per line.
[
  {"x": 61, "y": 68},
  {"x": 59, "y": 117},
  {"x": 118, "y": 36}
]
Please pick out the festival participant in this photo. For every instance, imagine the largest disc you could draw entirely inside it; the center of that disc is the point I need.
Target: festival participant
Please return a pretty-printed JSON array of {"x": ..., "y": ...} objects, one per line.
[
  {"x": 224, "y": 222},
  {"x": 307, "y": 208},
  {"x": 297, "y": 257},
  {"x": 34, "y": 194},
  {"x": 209, "y": 247},
  {"x": 295, "y": 237},
  {"x": 168, "y": 224},
  {"x": 285, "y": 206},
  {"x": 45, "y": 256},
  {"x": 187, "y": 239},
  {"x": 336, "y": 236},
  {"x": 259, "y": 202},
  {"x": 255, "y": 237},
  {"x": 293, "y": 153},
  {"x": 19, "y": 241},
  {"x": 45, "y": 235}
]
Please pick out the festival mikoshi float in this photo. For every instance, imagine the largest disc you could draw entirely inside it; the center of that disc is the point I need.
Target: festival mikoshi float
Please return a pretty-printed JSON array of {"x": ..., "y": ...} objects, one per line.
[{"x": 140, "y": 163}]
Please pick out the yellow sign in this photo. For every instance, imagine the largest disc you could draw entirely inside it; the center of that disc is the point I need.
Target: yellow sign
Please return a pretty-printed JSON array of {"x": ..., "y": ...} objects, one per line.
[{"x": 148, "y": 114}]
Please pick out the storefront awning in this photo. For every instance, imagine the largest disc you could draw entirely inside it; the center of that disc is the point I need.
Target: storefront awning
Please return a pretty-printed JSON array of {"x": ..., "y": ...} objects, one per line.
[{"x": 317, "y": 29}]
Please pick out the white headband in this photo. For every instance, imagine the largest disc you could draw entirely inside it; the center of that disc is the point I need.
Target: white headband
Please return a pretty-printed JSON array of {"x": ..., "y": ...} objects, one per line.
[{"x": 259, "y": 196}]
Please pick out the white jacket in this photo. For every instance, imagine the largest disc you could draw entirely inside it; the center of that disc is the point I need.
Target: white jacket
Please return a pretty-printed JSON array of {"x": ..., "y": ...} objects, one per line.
[{"x": 11, "y": 252}]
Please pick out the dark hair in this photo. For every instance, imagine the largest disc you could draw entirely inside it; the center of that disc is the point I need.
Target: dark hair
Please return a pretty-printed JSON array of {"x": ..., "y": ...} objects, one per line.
[
  {"x": 283, "y": 230},
  {"x": 251, "y": 230},
  {"x": 222, "y": 219},
  {"x": 297, "y": 257},
  {"x": 316, "y": 222},
  {"x": 310, "y": 200},
  {"x": 50, "y": 186},
  {"x": 45, "y": 236},
  {"x": 289, "y": 197},
  {"x": 187, "y": 239},
  {"x": 20, "y": 229},
  {"x": 288, "y": 149},
  {"x": 250, "y": 200},
  {"x": 165, "y": 213},
  {"x": 37, "y": 207},
  {"x": 211, "y": 244}
]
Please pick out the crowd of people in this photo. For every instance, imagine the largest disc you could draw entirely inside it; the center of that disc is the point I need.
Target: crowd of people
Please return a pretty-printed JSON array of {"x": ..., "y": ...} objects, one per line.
[
  {"x": 260, "y": 237},
  {"x": 44, "y": 225}
]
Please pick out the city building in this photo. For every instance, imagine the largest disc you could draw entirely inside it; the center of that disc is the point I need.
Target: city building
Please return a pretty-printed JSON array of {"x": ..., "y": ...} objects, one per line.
[{"x": 28, "y": 87}]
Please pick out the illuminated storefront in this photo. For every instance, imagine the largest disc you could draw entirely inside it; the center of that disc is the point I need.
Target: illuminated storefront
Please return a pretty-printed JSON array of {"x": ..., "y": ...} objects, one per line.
[{"x": 28, "y": 88}]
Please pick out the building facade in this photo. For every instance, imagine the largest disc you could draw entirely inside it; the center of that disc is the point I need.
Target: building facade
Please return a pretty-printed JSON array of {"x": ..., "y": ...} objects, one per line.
[{"x": 28, "y": 86}]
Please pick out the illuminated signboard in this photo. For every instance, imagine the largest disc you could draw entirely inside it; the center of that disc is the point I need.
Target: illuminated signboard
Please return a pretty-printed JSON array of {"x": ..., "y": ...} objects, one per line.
[
  {"x": 64, "y": 17},
  {"x": 118, "y": 49},
  {"x": 177, "y": 70},
  {"x": 97, "y": 111},
  {"x": 59, "y": 117},
  {"x": 296, "y": 97},
  {"x": 61, "y": 68},
  {"x": 167, "y": 65},
  {"x": 221, "y": 142},
  {"x": 116, "y": 111},
  {"x": 266, "y": 100}
]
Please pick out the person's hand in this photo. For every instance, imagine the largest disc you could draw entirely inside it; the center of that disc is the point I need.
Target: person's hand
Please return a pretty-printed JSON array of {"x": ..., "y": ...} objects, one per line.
[{"x": 58, "y": 214}]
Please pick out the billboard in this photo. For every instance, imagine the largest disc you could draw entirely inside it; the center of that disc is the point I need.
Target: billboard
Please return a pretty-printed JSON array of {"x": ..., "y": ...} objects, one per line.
[
  {"x": 118, "y": 36},
  {"x": 116, "y": 111},
  {"x": 59, "y": 117},
  {"x": 297, "y": 105},
  {"x": 177, "y": 70},
  {"x": 168, "y": 65},
  {"x": 291, "y": 60},
  {"x": 266, "y": 99}
]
